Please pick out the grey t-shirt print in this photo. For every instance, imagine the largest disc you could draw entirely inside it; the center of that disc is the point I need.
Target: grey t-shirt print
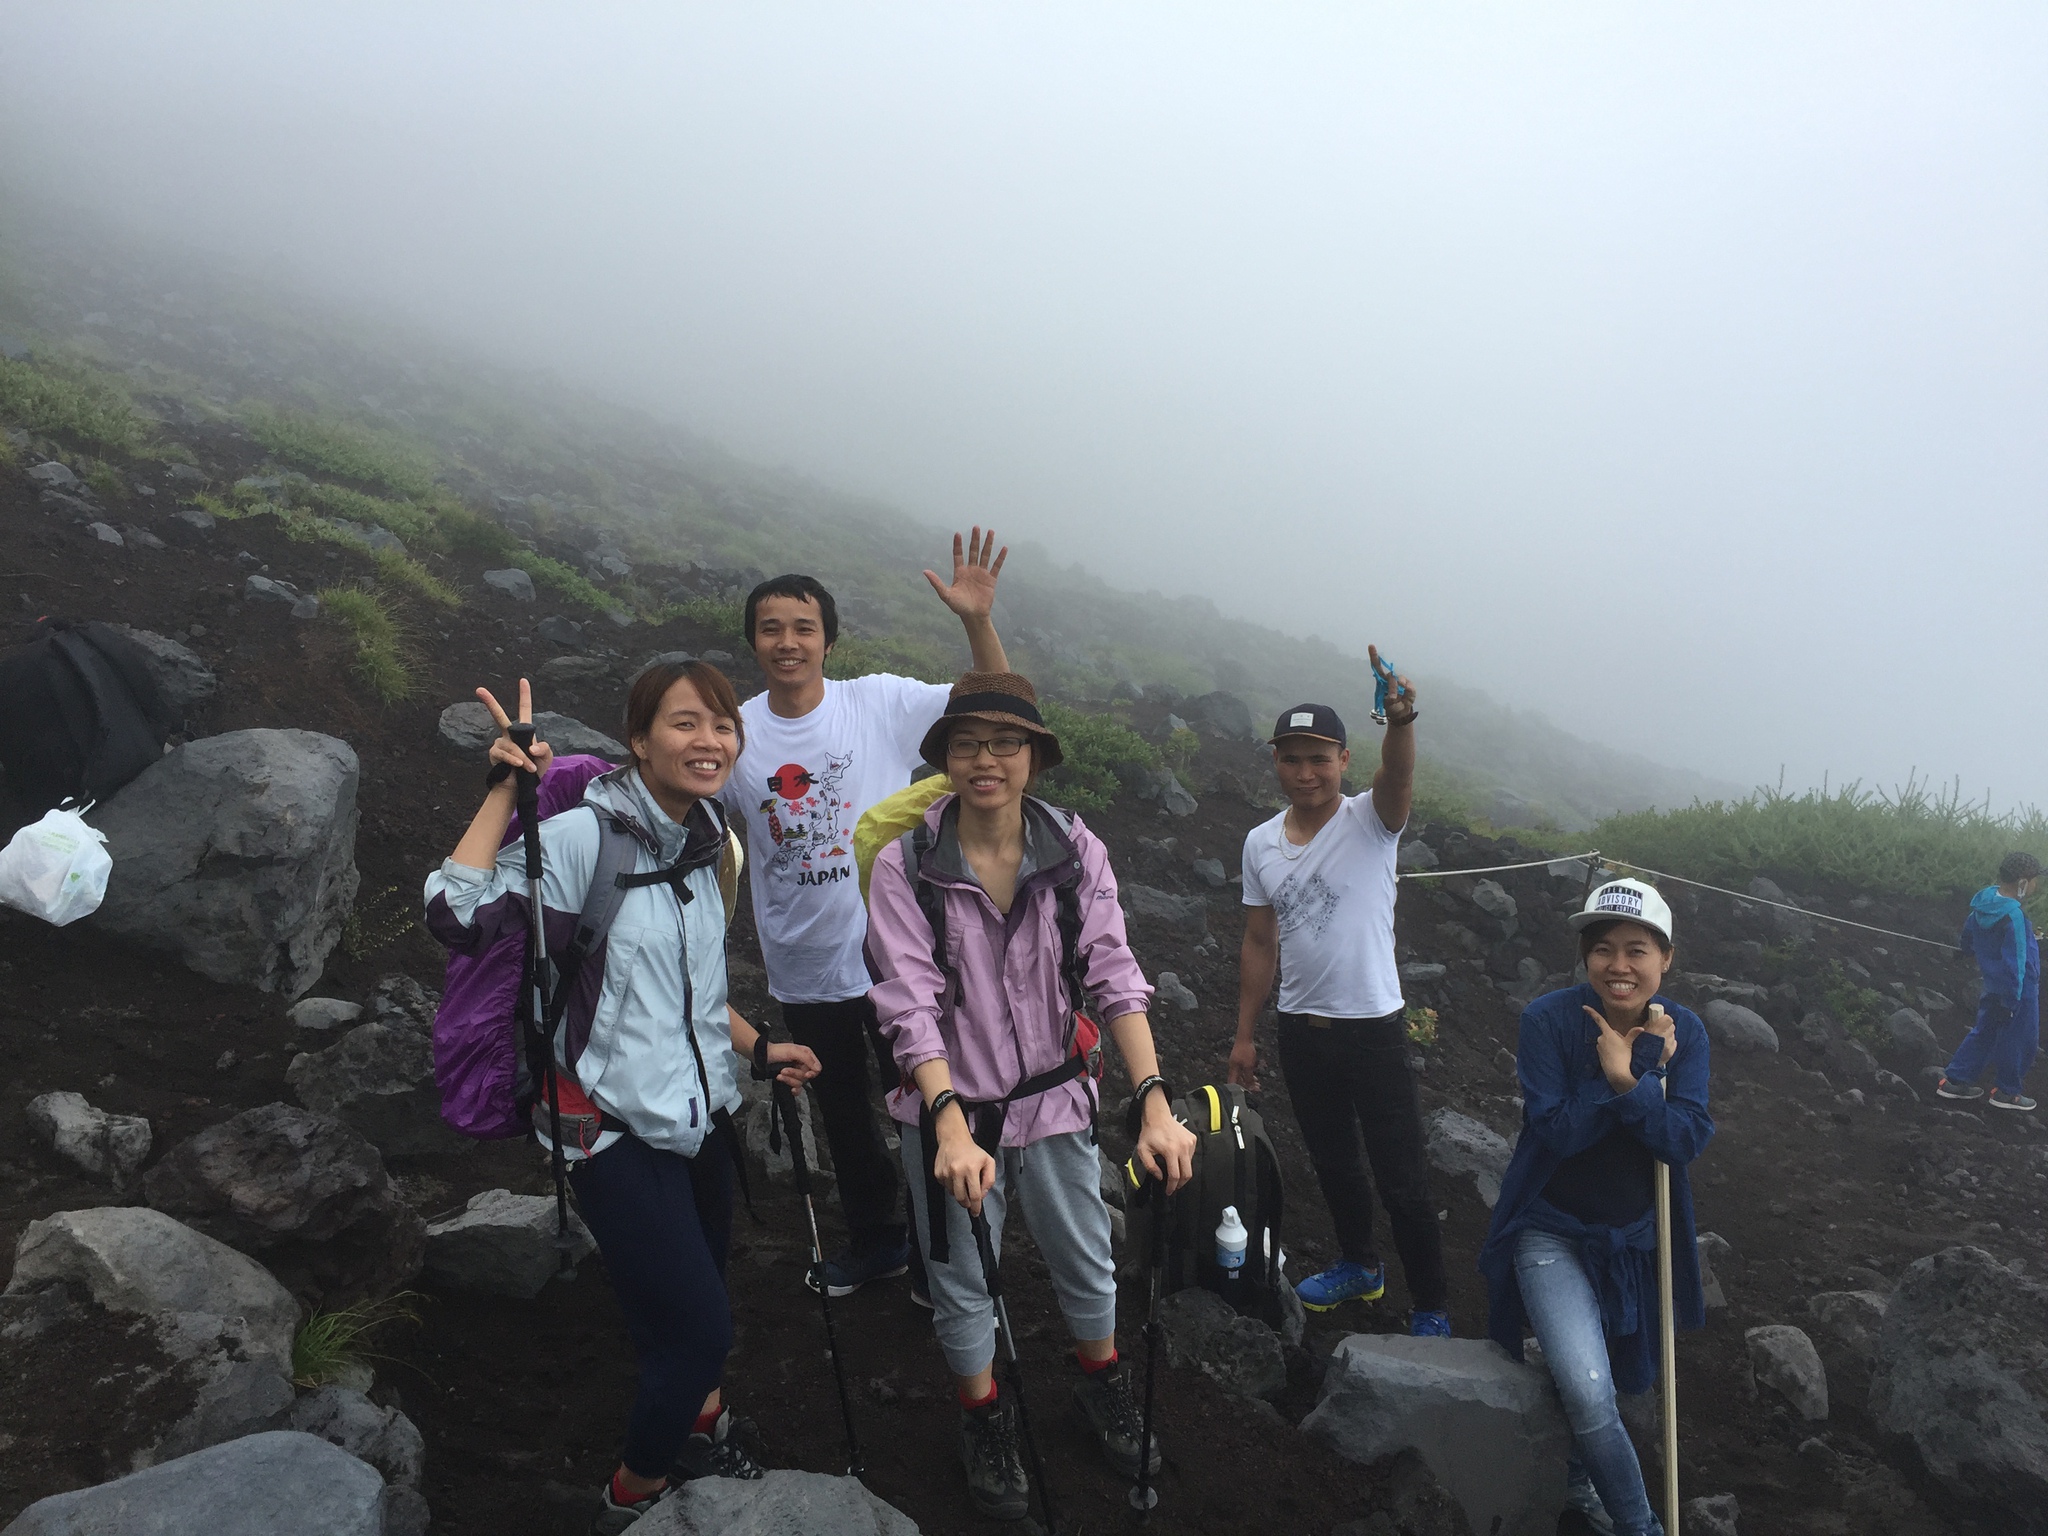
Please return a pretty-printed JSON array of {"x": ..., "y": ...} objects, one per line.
[{"x": 1304, "y": 904}]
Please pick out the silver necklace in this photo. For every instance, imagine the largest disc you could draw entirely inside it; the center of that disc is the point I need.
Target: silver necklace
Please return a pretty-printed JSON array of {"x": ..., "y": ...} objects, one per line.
[{"x": 1288, "y": 850}]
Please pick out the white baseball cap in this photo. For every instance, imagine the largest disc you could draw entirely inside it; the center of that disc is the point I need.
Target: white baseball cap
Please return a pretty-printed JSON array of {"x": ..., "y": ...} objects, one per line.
[{"x": 1629, "y": 901}]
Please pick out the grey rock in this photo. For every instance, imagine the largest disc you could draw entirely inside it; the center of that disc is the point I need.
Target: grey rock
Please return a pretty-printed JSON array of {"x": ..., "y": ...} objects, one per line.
[
  {"x": 664, "y": 659},
  {"x": 383, "y": 1437},
  {"x": 279, "y": 1483},
  {"x": 1422, "y": 973},
  {"x": 1933, "y": 1001},
  {"x": 1713, "y": 1516},
  {"x": 1893, "y": 1086},
  {"x": 1785, "y": 1360},
  {"x": 180, "y": 676},
  {"x": 1459, "y": 1146},
  {"x": 302, "y": 1190},
  {"x": 141, "y": 538},
  {"x": 402, "y": 1000},
  {"x": 558, "y": 631},
  {"x": 1163, "y": 785},
  {"x": 783, "y": 1503},
  {"x": 1849, "y": 1061},
  {"x": 1852, "y": 1319},
  {"x": 1711, "y": 1246},
  {"x": 195, "y": 517},
  {"x": 140, "y": 1262},
  {"x": 379, "y": 1079},
  {"x": 1220, "y": 714},
  {"x": 406, "y": 1512},
  {"x": 1211, "y": 873},
  {"x": 323, "y": 1013},
  {"x": 1791, "y": 925},
  {"x": 52, "y": 473},
  {"x": 502, "y": 1244},
  {"x": 372, "y": 536},
  {"x": 1737, "y": 1028},
  {"x": 185, "y": 474},
  {"x": 1706, "y": 986},
  {"x": 1962, "y": 1363},
  {"x": 265, "y": 589},
  {"x": 514, "y": 583},
  {"x": 1175, "y": 995},
  {"x": 1913, "y": 1041},
  {"x": 1458, "y": 937},
  {"x": 1241, "y": 1354},
  {"x": 237, "y": 854},
  {"x": 718, "y": 658},
  {"x": 1415, "y": 854},
  {"x": 574, "y": 669},
  {"x": 468, "y": 728},
  {"x": 1492, "y": 899},
  {"x": 1184, "y": 914},
  {"x": 758, "y": 1132},
  {"x": 110, "y": 1147},
  {"x": 1489, "y": 1428},
  {"x": 106, "y": 533}
]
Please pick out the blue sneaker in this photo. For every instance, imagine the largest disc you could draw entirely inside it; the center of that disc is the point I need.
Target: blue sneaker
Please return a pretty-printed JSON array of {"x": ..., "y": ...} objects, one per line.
[
  {"x": 1429, "y": 1325},
  {"x": 853, "y": 1267},
  {"x": 1342, "y": 1282}
]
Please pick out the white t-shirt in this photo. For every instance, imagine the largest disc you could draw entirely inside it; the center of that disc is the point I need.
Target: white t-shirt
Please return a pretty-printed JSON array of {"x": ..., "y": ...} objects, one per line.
[
  {"x": 1334, "y": 901},
  {"x": 800, "y": 786}
]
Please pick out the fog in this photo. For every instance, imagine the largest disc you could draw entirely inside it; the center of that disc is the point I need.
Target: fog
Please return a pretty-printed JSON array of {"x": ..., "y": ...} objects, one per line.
[{"x": 1680, "y": 372}]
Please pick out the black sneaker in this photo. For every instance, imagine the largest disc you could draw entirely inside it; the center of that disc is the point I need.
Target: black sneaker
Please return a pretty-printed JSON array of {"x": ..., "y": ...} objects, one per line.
[
  {"x": 995, "y": 1466},
  {"x": 1111, "y": 1408},
  {"x": 851, "y": 1268},
  {"x": 613, "y": 1517},
  {"x": 1949, "y": 1089},
  {"x": 722, "y": 1453}
]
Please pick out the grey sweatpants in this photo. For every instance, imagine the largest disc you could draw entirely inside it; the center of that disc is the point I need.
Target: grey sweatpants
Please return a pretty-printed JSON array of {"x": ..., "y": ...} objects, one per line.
[{"x": 1057, "y": 1180}]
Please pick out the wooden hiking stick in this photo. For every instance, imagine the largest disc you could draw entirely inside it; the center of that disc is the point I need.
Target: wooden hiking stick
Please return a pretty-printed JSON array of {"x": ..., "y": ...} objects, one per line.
[{"x": 1668, "y": 1363}]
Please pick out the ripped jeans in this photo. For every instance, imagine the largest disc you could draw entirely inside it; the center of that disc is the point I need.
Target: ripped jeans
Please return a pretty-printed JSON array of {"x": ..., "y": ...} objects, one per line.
[{"x": 1565, "y": 1314}]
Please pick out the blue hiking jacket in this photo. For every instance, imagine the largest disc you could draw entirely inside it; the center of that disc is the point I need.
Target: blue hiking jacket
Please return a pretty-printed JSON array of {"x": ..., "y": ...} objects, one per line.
[
  {"x": 1567, "y": 1106},
  {"x": 2008, "y": 955}
]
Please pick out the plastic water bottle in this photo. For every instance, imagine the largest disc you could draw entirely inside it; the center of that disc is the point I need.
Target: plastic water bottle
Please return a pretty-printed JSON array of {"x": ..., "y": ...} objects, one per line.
[{"x": 1231, "y": 1238}]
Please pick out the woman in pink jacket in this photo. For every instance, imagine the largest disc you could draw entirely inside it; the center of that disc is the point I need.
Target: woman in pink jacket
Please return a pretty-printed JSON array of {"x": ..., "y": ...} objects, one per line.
[{"x": 977, "y": 997}]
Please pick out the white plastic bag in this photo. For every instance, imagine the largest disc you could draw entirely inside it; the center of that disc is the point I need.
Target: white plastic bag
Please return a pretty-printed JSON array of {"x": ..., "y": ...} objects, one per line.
[{"x": 55, "y": 869}]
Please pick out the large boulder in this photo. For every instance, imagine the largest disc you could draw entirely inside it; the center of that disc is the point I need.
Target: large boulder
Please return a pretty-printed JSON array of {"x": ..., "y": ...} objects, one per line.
[
  {"x": 237, "y": 854},
  {"x": 1205, "y": 1333},
  {"x": 180, "y": 676},
  {"x": 1490, "y": 1429},
  {"x": 1460, "y": 1146},
  {"x": 109, "y": 1147},
  {"x": 275, "y": 1484},
  {"x": 383, "y": 1437},
  {"x": 783, "y": 1503},
  {"x": 1962, "y": 1372},
  {"x": 1913, "y": 1039},
  {"x": 1736, "y": 1028},
  {"x": 1185, "y": 914},
  {"x": 469, "y": 729},
  {"x": 1784, "y": 1360},
  {"x": 503, "y": 1244},
  {"x": 303, "y": 1190},
  {"x": 379, "y": 1079}
]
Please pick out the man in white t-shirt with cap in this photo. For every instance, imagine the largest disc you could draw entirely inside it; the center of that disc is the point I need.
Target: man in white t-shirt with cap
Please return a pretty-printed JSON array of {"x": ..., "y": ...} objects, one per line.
[
  {"x": 1319, "y": 884},
  {"x": 819, "y": 751}
]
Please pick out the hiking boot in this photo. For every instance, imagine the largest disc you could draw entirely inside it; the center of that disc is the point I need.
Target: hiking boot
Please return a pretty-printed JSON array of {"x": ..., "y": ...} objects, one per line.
[
  {"x": 722, "y": 1453},
  {"x": 855, "y": 1265},
  {"x": 2000, "y": 1099},
  {"x": 995, "y": 1466},
  {"x": 1429, "y": 1325},
  {"x": 613, "y": 1517},
  {"x": 1111, "y": 1408},
  {"x": 1947, "y": 1089},
  {"x": 1340, "y": 1283}
]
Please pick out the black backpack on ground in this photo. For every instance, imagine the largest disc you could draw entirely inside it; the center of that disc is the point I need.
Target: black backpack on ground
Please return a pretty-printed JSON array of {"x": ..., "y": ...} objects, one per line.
[
  {"x": 80, "y": 714},
  {"x": 1234, "y": 1165}
]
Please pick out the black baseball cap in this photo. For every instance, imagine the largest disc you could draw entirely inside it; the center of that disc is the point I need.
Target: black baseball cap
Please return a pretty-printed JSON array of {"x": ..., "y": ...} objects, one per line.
[{"x": 1317, "y": 720}]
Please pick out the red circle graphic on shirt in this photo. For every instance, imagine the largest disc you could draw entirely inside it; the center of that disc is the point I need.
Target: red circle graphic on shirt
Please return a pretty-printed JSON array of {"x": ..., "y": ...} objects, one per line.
[{"x": 792, "y": 781}]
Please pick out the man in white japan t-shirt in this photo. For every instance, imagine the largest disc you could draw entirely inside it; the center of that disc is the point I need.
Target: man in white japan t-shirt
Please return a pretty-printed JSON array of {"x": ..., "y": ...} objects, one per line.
[
  {"x": 1319, "y": 884},
  {"x": 818, "y": 753}
]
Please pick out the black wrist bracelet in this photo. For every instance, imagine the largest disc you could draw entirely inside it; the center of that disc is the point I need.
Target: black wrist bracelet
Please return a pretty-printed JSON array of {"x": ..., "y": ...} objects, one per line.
[
  {"x": 1135, "y": 1116},
  {"x": 761, "y": 1069},
  {"x": 498, "y": 774},
  {"x": 940, "y": 1100}
]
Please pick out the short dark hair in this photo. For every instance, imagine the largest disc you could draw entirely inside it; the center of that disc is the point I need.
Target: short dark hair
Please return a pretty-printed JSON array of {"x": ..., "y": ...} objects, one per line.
[
  {"x": 1593, "y": 933},
  {"x": 805, "y": 589},
  {"x": 2015, "y": 867},
  {"x": 643, "y": 700}
]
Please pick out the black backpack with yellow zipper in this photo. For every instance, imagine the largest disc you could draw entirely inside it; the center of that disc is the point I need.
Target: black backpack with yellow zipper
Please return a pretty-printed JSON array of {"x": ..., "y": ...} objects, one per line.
[{"x": 1234, "y": 1165}]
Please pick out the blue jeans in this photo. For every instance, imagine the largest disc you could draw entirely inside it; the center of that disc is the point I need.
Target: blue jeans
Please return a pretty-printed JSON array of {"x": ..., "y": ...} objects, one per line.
[{"x": 1565, "y": 1313}]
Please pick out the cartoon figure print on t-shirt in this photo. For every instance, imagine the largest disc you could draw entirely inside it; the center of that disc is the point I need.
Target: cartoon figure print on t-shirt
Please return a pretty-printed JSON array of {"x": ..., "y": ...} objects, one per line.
[
  {"x": 1304, "y": 906},
  {"x": 810, "y": 821}
]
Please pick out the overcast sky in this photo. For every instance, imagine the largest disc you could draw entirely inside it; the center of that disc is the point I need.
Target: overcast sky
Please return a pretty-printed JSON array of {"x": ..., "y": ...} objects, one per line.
[{"x": 1681, "y": 372}]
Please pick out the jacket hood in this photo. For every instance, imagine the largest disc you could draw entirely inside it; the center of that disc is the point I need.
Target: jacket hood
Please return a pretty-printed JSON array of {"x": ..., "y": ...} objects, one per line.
[
  {"x": 698, "y": 839},
  {"x": 1991, "y": 906},
  {"x": 1049, "y": 849}
]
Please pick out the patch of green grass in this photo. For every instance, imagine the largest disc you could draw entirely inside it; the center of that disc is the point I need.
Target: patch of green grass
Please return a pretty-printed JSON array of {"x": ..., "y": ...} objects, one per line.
[
  {"x": 105, "y": 480},
  {"x": 69, "y": 403},
  {"x": 1912, "y": 842},
  {"x": 469, "y": 531},
  {"x": 405, "y": 572},
  {"x": 1180, "y": 750},
  {"x": 1097, "y": 752},
  {"x": 415, "y": 524},
  {"x": 559, "y": 578},
  {"x": 380, "y": 651},
  {"x": 7, "y": 454},
  {"x": 337, "y": 448},
  {"x": 328, "y": 1344},
  {"x": 219, "y": 506},
  {"x": 1860, "y": 1010},
  {"x": 852, "y": 656}
]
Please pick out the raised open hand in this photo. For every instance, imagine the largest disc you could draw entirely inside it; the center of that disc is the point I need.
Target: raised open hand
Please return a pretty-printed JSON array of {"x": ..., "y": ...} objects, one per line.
[
  {"x": 972, "y": 592},
  {"x": 503, "y": 750}
]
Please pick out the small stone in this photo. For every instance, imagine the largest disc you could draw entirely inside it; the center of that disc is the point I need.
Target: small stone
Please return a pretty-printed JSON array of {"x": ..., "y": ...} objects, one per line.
[
  {"x": 719, "y": 658},
  {"x": 1415, "y": 854},
  {"x": 196, "y": 517},
  {"x": 1211, "y": 873},
  {"x": 52, "y": 473},
  {"x": 514, "y": 583},
  {"x": 558, "y": 631},
  {"x": 140, "y": 538},
  {"x": 1174, "y": 994},
  {"x": 107, "y": 1146},
  {"x": 1490, "y": 897},
  {"x": 227, "y": 1061},
  {"x": 1785, "y": 1360},
  {"x": 1421, "y": 973},
  {"x": 106, "y": 533},
  {"x": 1713, "y": 1516},
  {"x": 323, "y": 1013}
]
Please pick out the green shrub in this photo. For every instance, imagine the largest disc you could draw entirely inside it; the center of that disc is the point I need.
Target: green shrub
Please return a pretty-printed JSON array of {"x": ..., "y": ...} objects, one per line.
[
  {"x": 559, "y": 578},
  {"x": 860, "y": 656},
  {"x": 1421, "y": 1024},
  {"x": 413, "y": 523},
  {"x": 1094, "y": 748},
  {"x": 380, "y": 653},
  {"x": 328, "y": 1344},
  {"x": 469, "y": 532},
  {"x": 1860, "y": 1010},
  {"x": 1180, "y": 749},
  {"x": 106, "y": 481},
  {"x": 69, "y": 402},
  {"x": 407, "y": 573},
  {"x": 357, "y": 453}
]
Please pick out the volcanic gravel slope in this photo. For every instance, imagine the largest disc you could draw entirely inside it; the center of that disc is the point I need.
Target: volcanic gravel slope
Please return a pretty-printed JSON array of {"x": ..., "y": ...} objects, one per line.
[{"x": 522, "y": 1403}]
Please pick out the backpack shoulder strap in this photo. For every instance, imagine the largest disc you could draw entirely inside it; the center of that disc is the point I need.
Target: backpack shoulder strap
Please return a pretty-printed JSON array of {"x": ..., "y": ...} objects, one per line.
[
  {"x": 931, "y": 901},
  {"x": 616, "y": 850},
  {"x": 730, "y": 863}
]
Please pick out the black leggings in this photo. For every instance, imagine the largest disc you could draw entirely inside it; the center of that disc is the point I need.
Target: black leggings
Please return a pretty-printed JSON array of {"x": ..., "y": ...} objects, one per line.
[
  {"x": 1351, "y": 1076},
  {"x": 663, "y": 1223},
  {"x": 843, "y": 1034}
]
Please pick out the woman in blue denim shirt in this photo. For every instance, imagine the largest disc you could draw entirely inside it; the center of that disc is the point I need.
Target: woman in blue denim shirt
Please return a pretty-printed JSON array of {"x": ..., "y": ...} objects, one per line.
[{"x": 1614, "y": 1078}]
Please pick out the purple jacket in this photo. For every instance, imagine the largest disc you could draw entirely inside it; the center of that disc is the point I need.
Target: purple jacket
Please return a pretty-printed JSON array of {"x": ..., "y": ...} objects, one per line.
[{"x": 1011, "y": 1018}]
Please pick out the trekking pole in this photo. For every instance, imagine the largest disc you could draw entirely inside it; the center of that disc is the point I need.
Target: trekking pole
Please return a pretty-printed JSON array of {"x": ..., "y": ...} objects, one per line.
[
  {"x": 1667, "y": 1327},
  {"x": 540, "y": 1000},
  {"x": 1144, "y": 1497},
  {"x": 1013, "y": 1373},
  {"x": 785, "y": 1111}
]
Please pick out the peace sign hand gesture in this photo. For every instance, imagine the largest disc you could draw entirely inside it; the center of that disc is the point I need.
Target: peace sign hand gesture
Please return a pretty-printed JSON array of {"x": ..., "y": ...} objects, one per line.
[
  {"x": 972, "y": 592},
  {"x": 504, "y": 750}
]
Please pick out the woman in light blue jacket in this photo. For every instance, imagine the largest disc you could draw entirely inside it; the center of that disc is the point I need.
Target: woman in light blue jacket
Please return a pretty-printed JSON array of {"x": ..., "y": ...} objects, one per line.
[{"x": 645, "y": 1051}]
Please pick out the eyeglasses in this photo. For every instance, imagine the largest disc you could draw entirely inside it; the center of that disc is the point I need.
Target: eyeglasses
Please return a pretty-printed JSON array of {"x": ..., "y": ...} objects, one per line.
[{"x": 998, "y": 746}]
